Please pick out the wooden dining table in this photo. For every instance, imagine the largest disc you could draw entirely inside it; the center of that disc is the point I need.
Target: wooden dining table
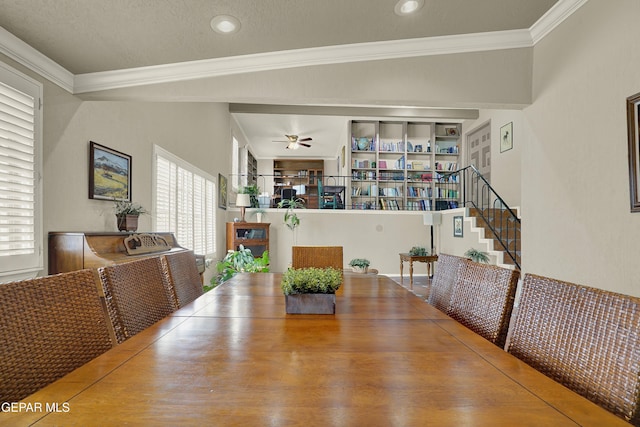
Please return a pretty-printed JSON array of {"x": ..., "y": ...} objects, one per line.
[{"x": 233, "y": 357}]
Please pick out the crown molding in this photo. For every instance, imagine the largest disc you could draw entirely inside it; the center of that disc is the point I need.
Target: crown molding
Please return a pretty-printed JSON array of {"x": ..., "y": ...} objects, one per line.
[
  {"x": 554, "y": 17},
  {"x": 24, "y": 54},
  {"x": 349, "y": 53}
]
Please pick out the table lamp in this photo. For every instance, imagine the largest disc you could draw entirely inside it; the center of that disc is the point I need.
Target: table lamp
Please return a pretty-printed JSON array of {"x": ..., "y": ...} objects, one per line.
[
  {"x": 432, "y": 218},
  {"x": 243, "y": 201}
]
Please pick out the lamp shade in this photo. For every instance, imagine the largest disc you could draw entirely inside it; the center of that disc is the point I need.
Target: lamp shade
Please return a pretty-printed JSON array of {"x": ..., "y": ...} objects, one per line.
[
  {"x": 243, "y": 200},
  {"x": 432, "y": 218}
]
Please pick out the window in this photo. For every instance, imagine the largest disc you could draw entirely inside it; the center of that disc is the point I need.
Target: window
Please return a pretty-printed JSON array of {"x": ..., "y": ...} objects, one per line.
[
  {"x": 238, "y": 165},
  {"x": 20, "y": 175},
  {"x": 184, "y": 202},
  {"x": 235, "y": 165}
]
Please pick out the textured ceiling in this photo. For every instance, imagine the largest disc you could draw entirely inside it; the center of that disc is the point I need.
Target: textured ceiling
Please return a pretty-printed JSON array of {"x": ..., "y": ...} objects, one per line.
[
  {"x": 86, "y": 36},
  {"x": 96, "y": 35}
]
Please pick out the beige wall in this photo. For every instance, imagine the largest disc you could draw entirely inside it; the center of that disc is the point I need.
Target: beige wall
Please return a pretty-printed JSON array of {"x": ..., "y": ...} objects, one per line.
[
  {"x": 505, "y": 166},
  {"x": 377, "y": 236},
  {"x": 496, "y": 79},
  {"x": 575, "y": 185},
  {"x": 197, "y": 133}
]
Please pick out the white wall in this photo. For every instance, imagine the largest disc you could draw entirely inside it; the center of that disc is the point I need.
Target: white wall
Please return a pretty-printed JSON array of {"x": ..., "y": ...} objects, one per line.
[
  {"x": 505, "y": 166},
  {"x": 375, "y": 235},
  {"x": 577, "y": 224}
]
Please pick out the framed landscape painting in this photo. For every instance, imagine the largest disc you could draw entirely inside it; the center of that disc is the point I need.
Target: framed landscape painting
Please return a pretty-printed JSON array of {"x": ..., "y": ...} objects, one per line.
[
  {"x": 222, "y": 191},
  {"x": 109, "y": 173}
]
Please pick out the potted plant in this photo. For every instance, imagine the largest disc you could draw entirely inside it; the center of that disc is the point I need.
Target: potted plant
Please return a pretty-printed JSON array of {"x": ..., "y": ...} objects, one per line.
[
  {"x": 311, "y": 290},
  {"x": 291, "y": 219},
  {"x": 240, "y": 261},
  {"x": 359, "y": 265},
  {"x": 418, "y": 251},
  {"x": 127, "y": 214},
  {"x": 477, "y": 256},
  {"x": 258, "y": 213}
]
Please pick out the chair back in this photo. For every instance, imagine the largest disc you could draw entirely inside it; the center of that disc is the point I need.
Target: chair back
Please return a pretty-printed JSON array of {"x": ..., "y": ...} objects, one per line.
[
  {"x": 447, "y": 268},
  {"x": 49, "y": 326},
  {"x": 585, "y": 338},
  {"x": 482, "y": 300},
  {"x": 183, "y": 276},
  {"x": 289, "y": 193},
  {"x": 137, "y": 294},
  {"x": 317, "y": 256}
]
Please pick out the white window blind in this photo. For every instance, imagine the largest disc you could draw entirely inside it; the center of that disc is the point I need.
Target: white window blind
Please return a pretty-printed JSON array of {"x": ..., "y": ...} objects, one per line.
[
  {"x": 20, "y": 193},
  {"x": 184, "y": 202}
]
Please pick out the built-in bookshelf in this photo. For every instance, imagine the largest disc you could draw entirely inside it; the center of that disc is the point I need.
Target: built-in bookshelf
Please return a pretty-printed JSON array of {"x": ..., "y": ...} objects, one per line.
[
  {"x": 404, "y": 165},
  {"x": 302, "y": 175},
  {"x": 252, "y": 168}
]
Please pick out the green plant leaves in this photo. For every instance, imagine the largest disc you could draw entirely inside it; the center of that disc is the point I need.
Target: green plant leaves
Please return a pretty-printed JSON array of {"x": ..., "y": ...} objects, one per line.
[{"x": 311, "y": 280}]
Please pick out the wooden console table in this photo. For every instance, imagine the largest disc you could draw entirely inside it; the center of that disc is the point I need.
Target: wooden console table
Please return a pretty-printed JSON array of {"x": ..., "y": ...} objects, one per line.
[{"x": 416, "y": 258}]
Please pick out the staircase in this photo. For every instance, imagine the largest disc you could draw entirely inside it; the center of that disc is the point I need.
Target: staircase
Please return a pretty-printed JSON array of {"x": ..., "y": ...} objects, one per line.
[{"x": 498, "y": 222}]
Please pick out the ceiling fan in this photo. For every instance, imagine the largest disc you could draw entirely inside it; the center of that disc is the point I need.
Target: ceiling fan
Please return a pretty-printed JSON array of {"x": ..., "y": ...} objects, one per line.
[{"x": 294, "y": 142}]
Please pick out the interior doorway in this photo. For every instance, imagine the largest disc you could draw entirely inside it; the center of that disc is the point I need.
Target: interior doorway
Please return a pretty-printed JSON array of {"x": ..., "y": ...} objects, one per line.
[{"x": 479, "y": 149}]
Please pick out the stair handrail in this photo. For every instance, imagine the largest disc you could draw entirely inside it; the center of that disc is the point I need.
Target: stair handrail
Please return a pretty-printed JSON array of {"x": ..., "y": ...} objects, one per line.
[{"x": 505, "y": 232}]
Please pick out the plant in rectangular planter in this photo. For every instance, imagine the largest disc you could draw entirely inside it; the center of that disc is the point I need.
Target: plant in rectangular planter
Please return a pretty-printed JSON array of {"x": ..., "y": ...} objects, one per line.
[{"x": 311, "y": 290}]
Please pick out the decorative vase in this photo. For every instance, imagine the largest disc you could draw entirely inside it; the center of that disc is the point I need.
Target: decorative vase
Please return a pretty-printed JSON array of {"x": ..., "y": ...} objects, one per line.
[
  {"x": 363, "y": 144},
  {"x": 356, "y": 269},
  {"x": 127, "y": 222},
  {"x": 310, "y": 303}
]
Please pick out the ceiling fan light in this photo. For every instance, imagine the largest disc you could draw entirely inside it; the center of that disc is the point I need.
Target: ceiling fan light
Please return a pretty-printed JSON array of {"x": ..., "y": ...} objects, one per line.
[
  {"x": 406, "y": 7},
  {"x": 225, "y": 24}
]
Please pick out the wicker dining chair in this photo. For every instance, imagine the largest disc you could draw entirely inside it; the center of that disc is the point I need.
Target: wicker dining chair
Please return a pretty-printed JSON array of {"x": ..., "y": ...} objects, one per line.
[
  {"x": 317, "y": 256},
  {"x": 482, "y": 300},
  {"x": 49, "y": 326},
  {"x": 585, "y": 338},
  {"x": 137, "y": 294},
  {"x": 183, "y": 276},
  {"x": 447, "y": 268}
]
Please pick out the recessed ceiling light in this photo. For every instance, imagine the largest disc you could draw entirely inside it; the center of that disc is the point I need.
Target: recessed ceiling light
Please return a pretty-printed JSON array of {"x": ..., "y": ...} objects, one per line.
[
  {"x": 406, "y": 7},
  {"x": 225, "y": 24}
]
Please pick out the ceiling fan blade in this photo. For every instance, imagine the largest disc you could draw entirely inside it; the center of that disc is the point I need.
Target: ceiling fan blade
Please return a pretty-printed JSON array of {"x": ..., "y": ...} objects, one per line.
[
  {"x": 304, "y": 145},
  {"x": 305, "y": 139}
]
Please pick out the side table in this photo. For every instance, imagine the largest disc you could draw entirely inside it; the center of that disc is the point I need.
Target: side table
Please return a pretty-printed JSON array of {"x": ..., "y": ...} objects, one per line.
[{"x": 415, "y": 258}]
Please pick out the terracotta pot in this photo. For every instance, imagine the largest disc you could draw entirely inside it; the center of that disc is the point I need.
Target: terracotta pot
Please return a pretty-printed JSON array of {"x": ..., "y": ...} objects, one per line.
[{"x": 127, "y": 222}]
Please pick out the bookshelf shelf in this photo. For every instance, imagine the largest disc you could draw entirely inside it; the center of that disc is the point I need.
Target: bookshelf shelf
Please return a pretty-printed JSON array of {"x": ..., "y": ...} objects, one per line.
[{"x": 406, "y": 163}]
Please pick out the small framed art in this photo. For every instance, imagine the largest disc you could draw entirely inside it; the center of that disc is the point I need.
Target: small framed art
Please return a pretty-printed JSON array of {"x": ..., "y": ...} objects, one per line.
[
  {"x": 506, "y": 137},
  {"x": 109, "y": 173},
  {"x": 458, "y": 226}
]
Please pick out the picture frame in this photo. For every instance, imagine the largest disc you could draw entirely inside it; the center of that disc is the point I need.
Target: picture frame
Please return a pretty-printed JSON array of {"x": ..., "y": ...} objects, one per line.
[
  {"x": 109, "y": 173},
  {"x": 633, "y": 137},
  {"x": 222, "y": 191},
  {"x": 458, "y": 226},
  {"x": 506, "y": 137},
  {"x": 451, "y": 130}
]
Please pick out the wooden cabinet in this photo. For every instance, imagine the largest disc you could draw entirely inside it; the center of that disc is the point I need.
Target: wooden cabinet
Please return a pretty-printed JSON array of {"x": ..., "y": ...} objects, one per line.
[
  {"x": 252, "y": 235},
  {"x": 404, "y": 165},
  {"x": 302, "y": 175}
]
